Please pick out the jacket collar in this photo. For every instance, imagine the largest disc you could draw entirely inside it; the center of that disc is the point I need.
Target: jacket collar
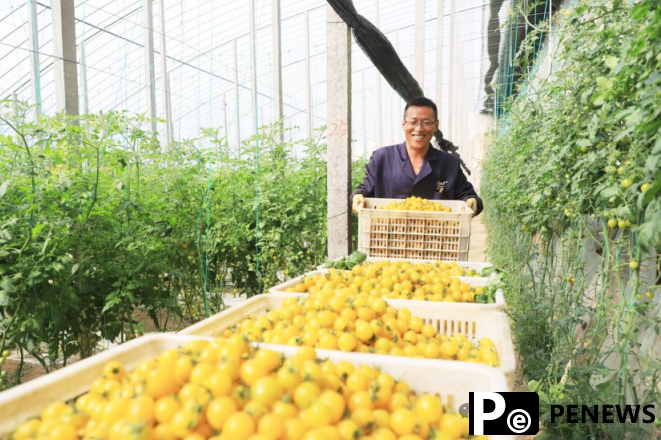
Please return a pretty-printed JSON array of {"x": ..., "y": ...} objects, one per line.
[{"x": 407, "y": 168}]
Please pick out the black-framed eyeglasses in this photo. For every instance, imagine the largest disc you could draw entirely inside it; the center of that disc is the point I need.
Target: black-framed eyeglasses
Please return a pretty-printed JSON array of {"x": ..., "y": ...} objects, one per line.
[{"x": 424, "y": 123}]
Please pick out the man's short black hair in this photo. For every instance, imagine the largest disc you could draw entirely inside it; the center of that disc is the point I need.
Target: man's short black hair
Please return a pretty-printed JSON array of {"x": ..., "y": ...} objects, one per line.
[{"x": 421, "y": 101}]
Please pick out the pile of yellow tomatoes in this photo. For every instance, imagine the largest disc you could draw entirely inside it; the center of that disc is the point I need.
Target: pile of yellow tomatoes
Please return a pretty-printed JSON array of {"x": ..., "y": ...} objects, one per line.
[
  {"x": 415, "y": 204},
  {"x": 397, "y": 280},
  {"x": 359, "y": 323},
  {"x": 226, "y": 389}
]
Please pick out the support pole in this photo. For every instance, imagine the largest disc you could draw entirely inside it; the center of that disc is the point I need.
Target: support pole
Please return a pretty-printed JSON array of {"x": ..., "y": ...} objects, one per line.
[
  {"x": 66, "y": 66},
  {"x": 253, "y": 63},
  {"x": 224, "y": 106},
  {"x": 35, "y": 69},
  {"x": 236, "y": 94},
  {"x": 278, "y": 109},
  {"x": 308, "y": 78},
  {"x": 165, "y": 77},
  {"x": 440, "y": 17},
  {"x": 451, "y": 84},
  {"x": 420, "y": 42},
  {"x": 379, "y": 110},
  {"x": 148, "y": 23},
  {"x": 364, "y": 113},
  {"x": 338, "y": 40},
  {"x": 17, "y": 118},
  {"x": 83, "y": 70}
]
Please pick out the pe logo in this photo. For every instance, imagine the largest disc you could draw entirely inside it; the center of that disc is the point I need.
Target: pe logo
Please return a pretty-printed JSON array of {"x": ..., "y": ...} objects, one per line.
[{"x": 503, "y": 413}]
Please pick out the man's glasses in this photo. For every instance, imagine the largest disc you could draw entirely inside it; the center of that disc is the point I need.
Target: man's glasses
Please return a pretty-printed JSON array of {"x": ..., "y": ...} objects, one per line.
[{"x": 425, "y": 123}]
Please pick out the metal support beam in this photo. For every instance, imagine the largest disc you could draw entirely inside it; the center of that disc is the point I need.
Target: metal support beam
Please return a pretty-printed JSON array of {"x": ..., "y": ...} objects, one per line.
[
  {"x": 150, "y": 86},
  {"x": 83, "y": 74},
  {"x": 253, "y": 63},
  {"x": 237, "y": 115},
  {"x": 35, "y": 68},
  {"x": 278, "y": 108},
  {"x": 379, "y": 101},
  {"x": 338, "y": 40},
  {"x": 224, "y": 106},
  {"x": 440, "y": 17},
  {"x": 420, "y": 43},
  {"x": 165, "y": 77},
  {"x": 364, "y": 113},
  {"x": 451, "y": 85},
  {"x": 308, "y": 79},
  {"x": 66, "y": 66}
]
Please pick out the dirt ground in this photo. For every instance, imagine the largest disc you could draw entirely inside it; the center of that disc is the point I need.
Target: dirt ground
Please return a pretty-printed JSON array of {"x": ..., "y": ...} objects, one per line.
[{"x": 33, "y": 369}]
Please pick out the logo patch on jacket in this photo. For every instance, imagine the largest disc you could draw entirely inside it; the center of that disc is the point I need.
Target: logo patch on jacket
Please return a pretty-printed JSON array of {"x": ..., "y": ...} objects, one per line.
[{"x": 440, "y": 186}]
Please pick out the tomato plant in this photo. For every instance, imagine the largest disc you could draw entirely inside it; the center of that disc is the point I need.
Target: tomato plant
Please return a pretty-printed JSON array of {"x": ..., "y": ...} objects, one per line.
[
  {"x": 572, "y": 186},
  {"x": 100, "y": 225}
]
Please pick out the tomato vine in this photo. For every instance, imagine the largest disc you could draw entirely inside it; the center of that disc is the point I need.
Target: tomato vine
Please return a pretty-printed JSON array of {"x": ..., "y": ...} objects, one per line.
[{"x": 572, "y": 186}]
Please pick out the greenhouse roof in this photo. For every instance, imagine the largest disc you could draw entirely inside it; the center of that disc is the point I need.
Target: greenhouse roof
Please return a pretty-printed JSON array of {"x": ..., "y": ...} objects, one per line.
[{"x": 209, "y": 63}]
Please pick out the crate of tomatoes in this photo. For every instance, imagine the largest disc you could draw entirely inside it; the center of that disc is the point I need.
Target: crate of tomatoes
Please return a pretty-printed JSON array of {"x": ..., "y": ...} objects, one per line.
[
  {"x": 177, "y": 387},
  {"x": 414, "y": 228},
  {"x": 369, "y": 325},
  {"x": 434, "y": 283}
]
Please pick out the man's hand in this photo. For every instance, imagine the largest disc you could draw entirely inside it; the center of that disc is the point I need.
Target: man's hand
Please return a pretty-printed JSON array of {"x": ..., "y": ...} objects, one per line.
[
  {"x": 357, "y": 202},
  {"x": 472, "y": 204}
]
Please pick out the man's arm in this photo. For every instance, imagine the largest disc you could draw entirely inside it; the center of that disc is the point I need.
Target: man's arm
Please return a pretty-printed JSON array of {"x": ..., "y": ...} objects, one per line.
[
  {"x": 366, "y": 187},
  {"x": 464, "y": 190}
]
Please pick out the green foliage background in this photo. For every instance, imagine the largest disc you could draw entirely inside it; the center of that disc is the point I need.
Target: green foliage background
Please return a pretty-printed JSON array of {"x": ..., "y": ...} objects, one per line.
[
  {"x": 101, "y": 226},
  {"x": 574, "y": 171}
]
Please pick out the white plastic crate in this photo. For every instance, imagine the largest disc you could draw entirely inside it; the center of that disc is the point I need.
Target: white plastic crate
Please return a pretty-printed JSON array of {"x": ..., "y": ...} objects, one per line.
[
  {"x": 452, "y": 381},
  {"x": 26, "y": 400},
  {"x": 399, "y": 303},
  {"x": 415, "y": 234},
  {"x": 473, "y": 323}
]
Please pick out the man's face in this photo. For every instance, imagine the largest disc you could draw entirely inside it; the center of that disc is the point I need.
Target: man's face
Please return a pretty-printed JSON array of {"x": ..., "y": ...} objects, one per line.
[{"x": 419, "y": 126}]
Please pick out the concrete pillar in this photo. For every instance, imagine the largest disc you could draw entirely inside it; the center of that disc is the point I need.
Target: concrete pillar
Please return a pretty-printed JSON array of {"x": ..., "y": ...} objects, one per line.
[
  {"x": 338, "y": 40},
  {"x": 35, "y": 69},
  {"x": 420, "y": 43},
  {"x": 278, "y": 109},
  {"x": 65, "y": 64},
  {"x": 165, "y": 78},
  {"x": 150, "y": 86}
]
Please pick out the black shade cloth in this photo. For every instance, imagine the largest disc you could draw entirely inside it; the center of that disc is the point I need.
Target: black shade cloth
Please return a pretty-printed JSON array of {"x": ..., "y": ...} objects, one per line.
[{"x": 384, "y": 57}]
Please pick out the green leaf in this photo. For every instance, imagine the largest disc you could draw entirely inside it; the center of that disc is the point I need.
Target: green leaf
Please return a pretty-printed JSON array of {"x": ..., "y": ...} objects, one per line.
[
  {"x": 611, "y": 61},
  {"x": 604, "y": 83},
  {"x": 3, "y": 187},
  {"x": 8, "y": 285},
  {"x": 4, "y": 298},
  {"x": 598, "y": 99},
  {"x": 37, "y": 230},
  {"x": 609, "y": 191}
]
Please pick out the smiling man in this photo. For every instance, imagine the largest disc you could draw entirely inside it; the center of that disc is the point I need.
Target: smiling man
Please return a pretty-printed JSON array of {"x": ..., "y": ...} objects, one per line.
[{"x": 414, "y": 168}]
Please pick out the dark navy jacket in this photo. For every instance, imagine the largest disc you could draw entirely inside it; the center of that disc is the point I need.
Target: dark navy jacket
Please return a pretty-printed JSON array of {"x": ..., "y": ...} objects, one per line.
[{"x": 389, "y": 175}]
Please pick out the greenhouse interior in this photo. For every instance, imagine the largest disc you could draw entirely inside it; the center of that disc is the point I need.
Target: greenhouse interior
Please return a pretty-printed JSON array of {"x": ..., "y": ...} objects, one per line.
[{"x": 330, "y": 220}]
